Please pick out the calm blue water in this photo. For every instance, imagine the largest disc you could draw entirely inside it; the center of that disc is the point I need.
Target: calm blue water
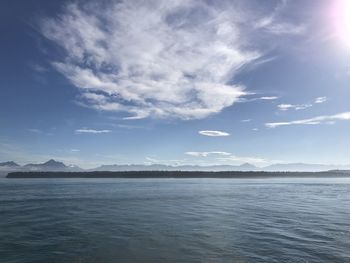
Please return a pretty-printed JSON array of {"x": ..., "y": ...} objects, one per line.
[{"x": 174, "y": 220}]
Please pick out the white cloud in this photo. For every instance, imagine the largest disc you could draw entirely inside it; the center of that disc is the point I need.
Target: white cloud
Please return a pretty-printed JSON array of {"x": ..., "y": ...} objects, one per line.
[
  {"x": 269, "y": 98},
  {"x": 94, "y": 98},
  {"x": 157, "y": 58},
  {"x": 321, "y": 99},
  {"x": 285, "y": 107},
  {"x": 227, "y": 157},
  {"x": 205, "y": 154},
  {"x": 79, "y": 131},
  {"x": 246, "y": 120},
  {"x": 75, "y": 150},
  {"x": 152, "y": 58},
  {"x": 173, "y": 162},
  {"x": 213, "y": 133},
  {"x": 38, "y": 68},
  {"x": 271, "y": 22},
  {"x": 35, "y": 131},
  {"x": 266, "y": 98},
  {"x": 286, "y": 28},
  {"x": 129, "y": 127},
  {"x": 327, "y": 119},
  {"x": 234, "y": 158}
]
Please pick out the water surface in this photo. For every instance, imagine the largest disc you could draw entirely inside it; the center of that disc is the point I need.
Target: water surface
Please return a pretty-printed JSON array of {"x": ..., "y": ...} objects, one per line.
[{"x": 175, "y": 220}]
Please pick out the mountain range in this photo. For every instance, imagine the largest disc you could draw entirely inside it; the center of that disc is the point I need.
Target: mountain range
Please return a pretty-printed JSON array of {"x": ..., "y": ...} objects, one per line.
[
  {"x": 162, "y": 167},
  {"x": 53, "y": 165},
  {"x": 50, "y": 165}
]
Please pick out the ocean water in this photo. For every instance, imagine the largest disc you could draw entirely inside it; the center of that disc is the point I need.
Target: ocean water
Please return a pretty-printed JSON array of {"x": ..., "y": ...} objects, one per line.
[{"x": 175, "y": 220}]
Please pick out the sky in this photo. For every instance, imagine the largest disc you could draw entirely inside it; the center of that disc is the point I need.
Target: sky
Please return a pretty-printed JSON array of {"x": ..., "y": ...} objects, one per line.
[{"x": 175, "y": 82}]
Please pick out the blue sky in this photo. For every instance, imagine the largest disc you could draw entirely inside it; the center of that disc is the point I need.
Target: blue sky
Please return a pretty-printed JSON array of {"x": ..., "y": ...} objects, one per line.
[{"x": 180, "y": 82}]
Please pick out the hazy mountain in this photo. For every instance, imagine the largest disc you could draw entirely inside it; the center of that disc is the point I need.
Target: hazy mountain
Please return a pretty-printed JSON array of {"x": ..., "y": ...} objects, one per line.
[
  {"x": 287, "y": 167},
  {"x": 248, "y": 167},
  {"x": 304, "y": 167},
  {"x": 6, "y": 167},
  {"x": 340, "y": 171},
  {"x": 131, "y": 167},
  {"x": 50, "y": 165},
  {"x": 162, "y": 167},
  {"x": 9, "y": 164},
  {"x": 53, "y": 165}
]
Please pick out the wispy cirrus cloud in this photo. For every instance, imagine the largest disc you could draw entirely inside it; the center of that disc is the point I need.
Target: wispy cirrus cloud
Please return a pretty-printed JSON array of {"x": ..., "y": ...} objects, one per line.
[
  {"x": 92, "y": 131},
  {"x": 38, "y": 68},
  {"x": 242, "y": 159},
  {"x": 268, "y": 98},
  {"x": 222, "y": 156},
  {"x": 284, "y": 28},
  {"x": 205, "y": 154},
  {"x": 39, "y": 132},
  {"x": 152, "y": 58},
  {"x": 35, "y": 131},
  {"x": 285, "y": 107},
  {"x": 262, "y": 98},
  {"x": 330, "y": 119},
  {"x": 153, "y": 160},
  {"x": 158, "y": 58},
  {"x": 275, "y": 25},
  {"x": 213, "y": 133},
  {"x": 320, "y": 100}
]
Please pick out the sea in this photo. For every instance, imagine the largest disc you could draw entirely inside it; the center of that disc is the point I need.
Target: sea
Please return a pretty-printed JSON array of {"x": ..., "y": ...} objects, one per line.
[{"x": 175, "y": 220}]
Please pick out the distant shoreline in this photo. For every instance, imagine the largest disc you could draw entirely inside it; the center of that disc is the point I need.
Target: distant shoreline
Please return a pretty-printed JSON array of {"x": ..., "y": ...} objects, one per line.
[{"x": 176, "y": 174}]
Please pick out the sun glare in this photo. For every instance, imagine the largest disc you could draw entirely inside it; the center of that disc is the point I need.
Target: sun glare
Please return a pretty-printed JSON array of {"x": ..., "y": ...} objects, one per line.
[{"x": 342, "y": 21}]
